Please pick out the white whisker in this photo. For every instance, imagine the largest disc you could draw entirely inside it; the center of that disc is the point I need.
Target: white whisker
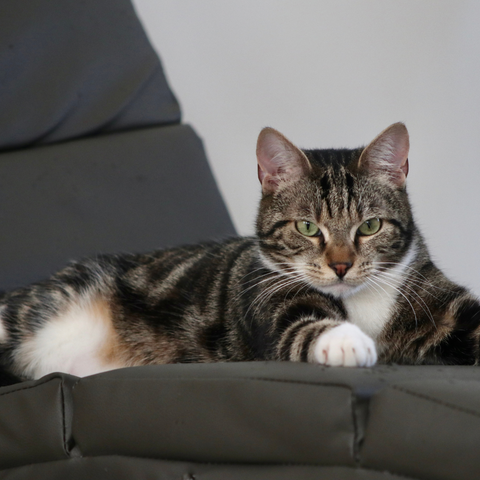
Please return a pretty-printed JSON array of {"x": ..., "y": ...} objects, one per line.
[
  {"x": 416, "y": 297},
  {"x": 401, "y": 293},
  {"x": 415, "y": 271},
  {"x": 265, "y": 295},
  {"x": 410, "y": 282}
]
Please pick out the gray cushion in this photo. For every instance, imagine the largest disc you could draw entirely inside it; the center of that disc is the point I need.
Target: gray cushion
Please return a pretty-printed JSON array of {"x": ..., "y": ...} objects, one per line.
[
  {"x": 124, "y": 192},
  {"x": 35, "y": 422},
  {"x": 246, "y": 420},
  {"x": 221, "y": 415},
  {"x": 426, "y": 428},
  {"x": 70, "y": 68}
]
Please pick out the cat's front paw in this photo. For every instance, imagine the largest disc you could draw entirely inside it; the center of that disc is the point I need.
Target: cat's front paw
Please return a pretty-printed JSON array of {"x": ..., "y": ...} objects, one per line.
[{"x": 345, "y": 346}]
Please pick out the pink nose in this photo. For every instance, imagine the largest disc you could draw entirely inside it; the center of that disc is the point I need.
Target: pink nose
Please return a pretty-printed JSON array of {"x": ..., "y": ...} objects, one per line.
[{"x": 340, "y": 268}]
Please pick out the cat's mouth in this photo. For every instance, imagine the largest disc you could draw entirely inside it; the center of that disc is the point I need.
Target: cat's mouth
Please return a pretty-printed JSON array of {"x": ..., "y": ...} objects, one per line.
[{"x": 338, "y": 287}]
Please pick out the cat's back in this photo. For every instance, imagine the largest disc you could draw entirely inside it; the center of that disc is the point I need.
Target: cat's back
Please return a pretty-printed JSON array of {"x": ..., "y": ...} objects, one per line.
[
  {"x": 190, "y": 265},
  {"x": 129, "y": 279}
]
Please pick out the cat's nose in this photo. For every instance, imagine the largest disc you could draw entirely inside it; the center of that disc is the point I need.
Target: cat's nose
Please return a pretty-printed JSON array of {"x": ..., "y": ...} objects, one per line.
[{"x": 340, "y": 269}]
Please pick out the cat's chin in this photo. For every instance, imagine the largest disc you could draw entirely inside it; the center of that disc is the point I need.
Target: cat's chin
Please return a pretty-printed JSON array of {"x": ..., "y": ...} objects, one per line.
[{"x": 339, "y": 289}]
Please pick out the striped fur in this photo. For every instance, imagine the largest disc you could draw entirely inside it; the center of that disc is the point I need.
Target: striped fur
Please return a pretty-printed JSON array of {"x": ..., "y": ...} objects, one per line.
[{"x": 337, "y": 297}]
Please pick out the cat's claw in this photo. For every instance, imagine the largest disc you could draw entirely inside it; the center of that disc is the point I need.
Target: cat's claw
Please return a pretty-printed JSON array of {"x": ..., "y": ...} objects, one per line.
[{"x": 345, "y": 346}]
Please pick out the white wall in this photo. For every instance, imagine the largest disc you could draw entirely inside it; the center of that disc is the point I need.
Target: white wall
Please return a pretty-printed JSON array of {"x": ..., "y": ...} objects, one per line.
[{"x": 334, "y": 73}]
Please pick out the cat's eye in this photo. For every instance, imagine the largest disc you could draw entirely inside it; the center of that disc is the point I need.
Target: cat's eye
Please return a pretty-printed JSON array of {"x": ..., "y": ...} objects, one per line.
[
  {"x": 369, "y": 227},
  {"x": 308, "y": 229}
]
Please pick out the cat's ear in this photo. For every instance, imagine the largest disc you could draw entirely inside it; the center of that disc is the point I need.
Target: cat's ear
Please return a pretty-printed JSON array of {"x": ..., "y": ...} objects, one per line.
[
  {"x": 388, "y": 154},
  {"x": 279, "y": 160}
]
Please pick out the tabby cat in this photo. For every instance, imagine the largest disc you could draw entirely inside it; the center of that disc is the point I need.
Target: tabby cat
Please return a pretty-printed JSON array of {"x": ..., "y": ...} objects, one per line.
[{"x": 338, "y": 274}]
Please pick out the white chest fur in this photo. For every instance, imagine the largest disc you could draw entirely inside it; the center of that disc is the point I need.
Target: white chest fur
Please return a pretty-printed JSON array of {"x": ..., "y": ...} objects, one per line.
[{"x": 372, "y": 307}]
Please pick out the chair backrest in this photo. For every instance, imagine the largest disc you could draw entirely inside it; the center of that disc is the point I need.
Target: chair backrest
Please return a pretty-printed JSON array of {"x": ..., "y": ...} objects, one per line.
[{"x": 93, "y": 157}]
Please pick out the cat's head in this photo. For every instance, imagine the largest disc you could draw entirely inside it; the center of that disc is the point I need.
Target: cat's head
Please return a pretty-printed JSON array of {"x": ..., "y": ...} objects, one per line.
[{"x": 334, "y": 218}]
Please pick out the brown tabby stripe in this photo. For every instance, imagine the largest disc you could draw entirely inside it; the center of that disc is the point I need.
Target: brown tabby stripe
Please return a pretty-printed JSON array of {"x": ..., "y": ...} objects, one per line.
[
  {"x": 303, "y": 335},
  {"x": 277, "y": 226}
]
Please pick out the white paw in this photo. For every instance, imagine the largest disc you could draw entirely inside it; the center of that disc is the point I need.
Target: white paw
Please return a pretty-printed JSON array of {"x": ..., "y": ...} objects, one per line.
[{"x": 345, "y": 346}]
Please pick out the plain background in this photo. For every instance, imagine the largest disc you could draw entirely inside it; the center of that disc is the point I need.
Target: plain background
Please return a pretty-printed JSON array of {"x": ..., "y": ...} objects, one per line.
[{"x": 334, "y": 73}]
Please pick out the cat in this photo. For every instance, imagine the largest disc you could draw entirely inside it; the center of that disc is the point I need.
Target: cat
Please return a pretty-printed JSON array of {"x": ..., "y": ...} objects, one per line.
[{"x": 337, "y": 274}]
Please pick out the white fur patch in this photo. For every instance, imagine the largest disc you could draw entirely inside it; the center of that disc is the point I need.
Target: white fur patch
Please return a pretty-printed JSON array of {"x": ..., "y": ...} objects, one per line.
[
  {"x": 3, "y": 331},
  {"x": 371, "y": 308},
  {"x": 269, "y": 264},
  {"x": 345, "y": 346},
  {"x": 78, "y": 342}
]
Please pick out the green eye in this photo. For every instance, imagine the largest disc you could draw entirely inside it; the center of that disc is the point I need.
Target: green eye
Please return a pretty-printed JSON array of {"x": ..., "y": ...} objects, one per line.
[
  {"x": 308, "y": 229},
  {"x": 370, "y": 227}
]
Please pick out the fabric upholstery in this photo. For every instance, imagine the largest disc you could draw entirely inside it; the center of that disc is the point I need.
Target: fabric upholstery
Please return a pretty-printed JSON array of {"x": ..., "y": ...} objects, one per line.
[
  {"x": 129, "y": 191},
  {"x": 426, "y": 428},
  {"x": 35, "y": 422},
  {"x": 226, "y": 419},
  {"x": 72, "y": 68},
  {"x": 127, "y": 468},
  {"x": 94, "y": 158},
  {"x": 245, "y": 420}
]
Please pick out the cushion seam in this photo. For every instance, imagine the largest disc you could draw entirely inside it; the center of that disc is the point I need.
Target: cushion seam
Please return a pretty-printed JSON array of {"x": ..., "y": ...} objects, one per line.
[
  {"x": 196, "y": 462},
  {"x": 263, "y": 464},
  {"x": 260, "y": 379},
  {"x": 40, "y": 383},
  {"x": 437, "y": 401}
]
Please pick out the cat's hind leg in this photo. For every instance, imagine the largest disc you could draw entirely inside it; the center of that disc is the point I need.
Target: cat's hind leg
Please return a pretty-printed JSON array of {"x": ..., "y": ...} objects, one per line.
[
  {"x": 64, "y": 324},
  {"x": 79, "y": 340},
  {"x": 4, "y": 336}
]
